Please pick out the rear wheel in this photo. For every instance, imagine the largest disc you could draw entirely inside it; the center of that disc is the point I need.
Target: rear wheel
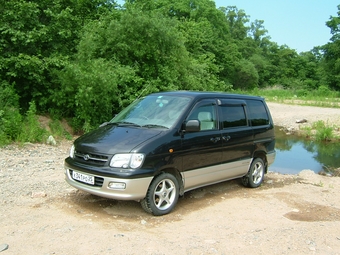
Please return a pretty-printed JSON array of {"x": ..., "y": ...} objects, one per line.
[
  {"x": 255, "y": 175},
  {"x": 162, "y": 195}
]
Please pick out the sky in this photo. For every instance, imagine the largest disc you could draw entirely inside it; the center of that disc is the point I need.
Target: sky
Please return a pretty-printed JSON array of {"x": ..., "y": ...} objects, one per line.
[{"x": 299, "y": 24}]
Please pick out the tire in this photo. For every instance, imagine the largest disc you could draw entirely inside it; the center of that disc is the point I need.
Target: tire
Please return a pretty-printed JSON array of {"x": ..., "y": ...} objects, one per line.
[
  {"x": 255, "y": 175},
  {"x": 162, "y": 195}
]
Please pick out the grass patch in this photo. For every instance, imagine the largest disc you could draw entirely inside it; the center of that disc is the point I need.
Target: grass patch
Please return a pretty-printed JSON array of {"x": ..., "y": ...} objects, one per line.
[
  {"x": 323, "y": 131},
  {"x": 320, "y": 131},
  {"x": 58, "y": 130},
  {"x": 322, "y": 97}
]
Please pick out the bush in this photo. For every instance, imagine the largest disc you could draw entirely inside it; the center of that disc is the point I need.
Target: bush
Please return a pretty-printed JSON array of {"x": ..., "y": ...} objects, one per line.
[
  {"x": 324, "y": 91},
  {"x": 93, "y": 91},
  {"x": 323, "y": 132},
  {"x": 31, "y": 130},
  {"x": 10, "y": 117}
]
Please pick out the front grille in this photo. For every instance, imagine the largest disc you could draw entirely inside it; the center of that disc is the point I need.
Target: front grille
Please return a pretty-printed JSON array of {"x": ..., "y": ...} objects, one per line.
[
  {"x": 98, "y": 181},
  {"x": 95, "y": 159}
]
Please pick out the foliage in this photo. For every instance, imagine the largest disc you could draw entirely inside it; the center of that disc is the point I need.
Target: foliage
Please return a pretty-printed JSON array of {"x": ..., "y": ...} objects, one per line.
[
  {"x": 10, "y": 118},
  {"x": 87, "y": 59},
  {"x": 31, "y": 131},
  {"x": 37, "y": 37},
  {"x": 246, "y": 76},
  {"x": 58, "y": 130},
  {"x": 323, "y": 131},
  {"x": 332, "y": 52},
  {"x": 94, "y": 90}
]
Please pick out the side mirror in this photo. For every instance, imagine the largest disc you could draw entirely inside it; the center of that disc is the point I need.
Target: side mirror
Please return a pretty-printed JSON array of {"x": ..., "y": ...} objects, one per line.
[{"x": 192, "y": 126}]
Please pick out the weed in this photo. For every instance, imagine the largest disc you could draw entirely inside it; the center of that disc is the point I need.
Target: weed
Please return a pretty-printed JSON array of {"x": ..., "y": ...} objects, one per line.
[
  {"x": 323, "y": 131},
  {"x": 320, "y": 184},
  {"x": 58, "y": 130},
  {"x": 307, "y": 131},
  {"x": 31, "y": 130}
]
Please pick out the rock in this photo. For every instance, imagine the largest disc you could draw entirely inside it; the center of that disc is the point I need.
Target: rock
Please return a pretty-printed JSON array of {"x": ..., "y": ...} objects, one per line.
[
  {"x": 51, "y": 141},
  {"x": 38, "y": 194},
  {"x": 306, "y": 173},
  {"x": 3, "y": 247},
  {"x": 301, "y": 121}
]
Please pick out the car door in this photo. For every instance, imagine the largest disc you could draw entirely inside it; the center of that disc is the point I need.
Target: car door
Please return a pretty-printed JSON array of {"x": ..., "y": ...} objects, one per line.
[
  {"x": 237, "y": 137},
  {"x": 202, "y": 150}
]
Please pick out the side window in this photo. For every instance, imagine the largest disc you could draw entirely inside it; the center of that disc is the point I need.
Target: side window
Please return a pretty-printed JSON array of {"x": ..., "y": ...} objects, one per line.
[
  {"x": 233, "y": 116},
  {"x": 257, "y": 113},
  {"x": 205, "y": 113}
]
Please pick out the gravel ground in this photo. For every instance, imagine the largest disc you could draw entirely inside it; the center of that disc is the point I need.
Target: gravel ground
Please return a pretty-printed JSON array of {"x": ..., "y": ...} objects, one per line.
[{"x": 289, "y": 214}]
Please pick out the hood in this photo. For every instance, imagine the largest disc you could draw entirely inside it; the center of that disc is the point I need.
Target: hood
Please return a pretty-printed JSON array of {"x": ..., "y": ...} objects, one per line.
[{"x": 113, "y": 139}]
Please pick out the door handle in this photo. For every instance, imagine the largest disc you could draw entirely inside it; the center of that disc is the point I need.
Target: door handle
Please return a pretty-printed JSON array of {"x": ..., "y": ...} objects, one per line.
[
  {"x": 215, "y": 139},
  {"x": 226, "y": 138}
]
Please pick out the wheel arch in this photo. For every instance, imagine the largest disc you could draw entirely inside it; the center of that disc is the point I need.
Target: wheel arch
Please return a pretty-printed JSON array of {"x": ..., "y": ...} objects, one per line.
[
  {"x": 262, "y": 155},
  {"x": 175, "y": 172}
]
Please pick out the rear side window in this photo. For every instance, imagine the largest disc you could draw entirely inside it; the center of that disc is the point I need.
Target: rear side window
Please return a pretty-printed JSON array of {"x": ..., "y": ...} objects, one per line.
[
  {"x": 233, "y": 116},
  {"x": 258, "y": 115}
]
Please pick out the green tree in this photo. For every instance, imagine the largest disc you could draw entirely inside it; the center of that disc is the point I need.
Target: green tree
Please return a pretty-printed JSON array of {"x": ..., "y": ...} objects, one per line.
[
  {"x": 92, "y": 91},
  {"x": 259, "y": 34},
  {"x": 246, "y": 75},
  {"x": 332, "y": 52},
  {"x": 236, "y": 20},
  {"x": 37, "y": 38},
  {"x": 206, "y": 36},
  {"x": 120, "y": 58},
  {"x": 10, "y": 118}
]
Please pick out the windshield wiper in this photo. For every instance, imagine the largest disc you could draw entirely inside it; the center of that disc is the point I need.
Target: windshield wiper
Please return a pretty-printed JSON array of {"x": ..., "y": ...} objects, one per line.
[
  {"x": 154, "y": 126},
  {"x": 106, "y": 123},
  {"x": 126, "y": 123}
]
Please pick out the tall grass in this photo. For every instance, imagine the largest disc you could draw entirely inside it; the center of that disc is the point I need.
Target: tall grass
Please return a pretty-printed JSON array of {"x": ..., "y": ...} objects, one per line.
[
  {"x": 31, "y": 130},
  {"x": 323, "y": 132}
]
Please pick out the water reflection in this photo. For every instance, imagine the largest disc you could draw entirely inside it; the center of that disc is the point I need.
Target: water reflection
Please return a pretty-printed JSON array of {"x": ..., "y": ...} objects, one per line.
[{"x": 294, "y": 154}]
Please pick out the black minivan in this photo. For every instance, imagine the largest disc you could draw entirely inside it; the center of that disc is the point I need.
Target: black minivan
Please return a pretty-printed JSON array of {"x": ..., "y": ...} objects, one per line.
[{"x": 167, "y": 143}]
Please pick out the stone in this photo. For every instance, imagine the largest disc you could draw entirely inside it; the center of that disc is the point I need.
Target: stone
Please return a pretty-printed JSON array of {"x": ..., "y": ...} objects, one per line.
[
  {"x": 3, "y": 247},
  {"x": 38, "y": 194},
  {"x": 51, "y": 141},
  {"x": 301, "y": 121}
]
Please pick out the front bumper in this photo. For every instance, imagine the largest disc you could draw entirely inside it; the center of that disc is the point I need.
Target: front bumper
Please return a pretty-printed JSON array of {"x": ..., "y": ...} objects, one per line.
[{"x": 135, "y": 189}]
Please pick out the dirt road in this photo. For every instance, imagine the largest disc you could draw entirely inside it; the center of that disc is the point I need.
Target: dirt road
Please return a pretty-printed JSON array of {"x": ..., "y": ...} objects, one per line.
[{"x": 288, "y": 214}]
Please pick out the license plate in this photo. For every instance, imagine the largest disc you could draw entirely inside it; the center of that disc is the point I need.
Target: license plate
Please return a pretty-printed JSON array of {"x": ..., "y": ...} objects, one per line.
[{"x": 83, "y": 177}]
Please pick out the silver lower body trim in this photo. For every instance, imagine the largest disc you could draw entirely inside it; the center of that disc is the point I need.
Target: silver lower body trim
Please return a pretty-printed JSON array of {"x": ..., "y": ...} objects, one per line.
[{"x": 209, "y": 175}]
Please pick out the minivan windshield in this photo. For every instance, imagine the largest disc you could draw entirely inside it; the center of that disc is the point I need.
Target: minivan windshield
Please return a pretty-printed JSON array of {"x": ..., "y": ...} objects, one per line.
[{"x": 153, "y": 111}]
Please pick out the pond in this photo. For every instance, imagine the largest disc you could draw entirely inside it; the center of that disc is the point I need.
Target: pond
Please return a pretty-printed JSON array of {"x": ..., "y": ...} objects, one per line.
[{"x": 294, "y": 154}]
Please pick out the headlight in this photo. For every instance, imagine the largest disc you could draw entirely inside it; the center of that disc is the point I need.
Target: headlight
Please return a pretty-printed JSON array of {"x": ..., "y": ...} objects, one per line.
[
  {"x": 133, "y": 160},
  {"x": 72, "y": 152}
]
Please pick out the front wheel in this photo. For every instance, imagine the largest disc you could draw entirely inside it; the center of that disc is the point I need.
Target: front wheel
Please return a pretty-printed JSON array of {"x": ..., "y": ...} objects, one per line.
[
  {"x": 162, "y": 195},
  {"x": 255, "y": 174}
]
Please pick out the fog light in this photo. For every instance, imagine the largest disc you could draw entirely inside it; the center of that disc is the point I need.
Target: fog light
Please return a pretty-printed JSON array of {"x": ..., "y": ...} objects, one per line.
[{"x": 117, "y": 185}]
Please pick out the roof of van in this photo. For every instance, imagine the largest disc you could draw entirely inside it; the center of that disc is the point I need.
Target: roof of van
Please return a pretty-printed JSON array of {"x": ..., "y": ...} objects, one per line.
[{"x": 205, "y": 94}]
